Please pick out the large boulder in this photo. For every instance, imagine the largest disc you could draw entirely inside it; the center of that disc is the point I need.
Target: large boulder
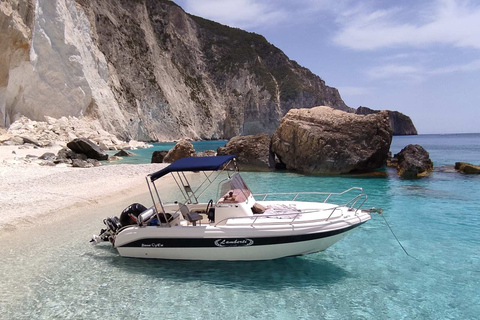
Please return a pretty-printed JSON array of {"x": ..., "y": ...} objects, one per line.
[
  {"x": 413, "y": 161},
  {"x": 327, "y": 141},
  {"x": 250, "y": 150},
  {"x": 468, "y": 168},
  {"x": 182, "y": 149},
  {"x": 158, "y": 156},
  {"x": 88, "y": 148}
]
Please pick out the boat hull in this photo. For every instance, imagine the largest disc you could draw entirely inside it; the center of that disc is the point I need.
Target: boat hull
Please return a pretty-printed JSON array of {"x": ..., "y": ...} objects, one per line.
[{"x": 230, "y": 243}]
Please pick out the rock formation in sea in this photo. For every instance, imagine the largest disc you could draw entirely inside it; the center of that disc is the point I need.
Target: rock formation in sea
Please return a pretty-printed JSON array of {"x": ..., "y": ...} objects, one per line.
[
  {"x": 468, "y": 168},
  {"x": 413, "y": 161},
  {"x": 251, "y": 151},
  {"x": 401, "y": 124},
  {"x": 146, "y": 70},
  {"x": 328, "y": 141},
  {"x": 182, "y": 149}
]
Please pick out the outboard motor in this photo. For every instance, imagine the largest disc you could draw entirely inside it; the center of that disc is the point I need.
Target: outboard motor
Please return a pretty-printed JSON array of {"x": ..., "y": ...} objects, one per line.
[
  {"x": 129, "y": 214},
  {"x": 114, "y": 224}
]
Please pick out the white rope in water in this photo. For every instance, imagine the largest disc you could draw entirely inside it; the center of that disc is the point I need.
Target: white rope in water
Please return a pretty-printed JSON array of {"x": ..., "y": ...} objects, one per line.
[{"x": 397, "y": 238}]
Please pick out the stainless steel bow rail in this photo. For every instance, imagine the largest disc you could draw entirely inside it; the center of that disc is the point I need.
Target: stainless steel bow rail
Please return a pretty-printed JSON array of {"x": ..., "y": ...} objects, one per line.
[
  {"x": 327, "y": 195},
  {"x": 294, "y": 214}
]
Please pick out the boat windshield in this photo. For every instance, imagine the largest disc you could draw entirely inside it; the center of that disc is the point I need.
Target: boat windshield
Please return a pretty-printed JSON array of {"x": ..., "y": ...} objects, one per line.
[{"x": 234, "y": 190}]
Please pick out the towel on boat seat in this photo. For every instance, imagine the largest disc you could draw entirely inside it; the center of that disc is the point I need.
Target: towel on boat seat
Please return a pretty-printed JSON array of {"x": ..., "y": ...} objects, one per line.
[{"x": 283, "y": 209}]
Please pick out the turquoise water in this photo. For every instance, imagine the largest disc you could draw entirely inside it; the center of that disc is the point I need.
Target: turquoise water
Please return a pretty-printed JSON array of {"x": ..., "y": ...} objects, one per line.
[
  {"x": 51, "y": 272},
  {"x": 145, "y": 155}
]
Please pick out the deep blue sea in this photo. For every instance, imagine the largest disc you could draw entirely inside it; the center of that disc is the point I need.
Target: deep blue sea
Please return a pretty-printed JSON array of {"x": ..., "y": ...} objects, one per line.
[{"x": 52, "y": 272}]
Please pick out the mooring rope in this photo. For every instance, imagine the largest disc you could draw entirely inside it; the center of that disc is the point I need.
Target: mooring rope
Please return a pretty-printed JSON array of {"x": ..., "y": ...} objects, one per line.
[{"x": 405, "y": 250}]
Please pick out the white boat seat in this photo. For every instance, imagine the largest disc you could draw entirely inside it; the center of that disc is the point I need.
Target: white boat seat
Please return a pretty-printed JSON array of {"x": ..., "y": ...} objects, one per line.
[{"x": 192, "y": 217}]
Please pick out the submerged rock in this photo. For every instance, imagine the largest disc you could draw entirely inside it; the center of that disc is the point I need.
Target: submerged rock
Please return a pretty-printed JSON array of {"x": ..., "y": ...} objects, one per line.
[
  {"x": 327, "y": 141},
  {"x": 413, "y": 162},
  {"x": 124, "y": 153},
  {"x": 182, "y": 149},
  {"x": 468, "y": 168},
  {"x": 250, "y": 150}
]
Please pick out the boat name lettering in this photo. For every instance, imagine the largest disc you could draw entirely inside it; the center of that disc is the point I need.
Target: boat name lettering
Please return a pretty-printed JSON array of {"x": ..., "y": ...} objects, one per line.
[
  {"x": 152, "y": 245},
  {"x": 233, "y": 242}
]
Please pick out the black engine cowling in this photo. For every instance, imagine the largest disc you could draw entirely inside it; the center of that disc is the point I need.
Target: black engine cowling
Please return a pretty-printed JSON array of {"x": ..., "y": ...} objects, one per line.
[{"x": 130, "y": 213}]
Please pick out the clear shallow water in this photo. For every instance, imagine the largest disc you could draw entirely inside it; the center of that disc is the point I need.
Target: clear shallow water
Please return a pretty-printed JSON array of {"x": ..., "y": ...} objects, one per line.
[
  {"x": 145, "y": 155},
  {"x": 51, "y": 272}
]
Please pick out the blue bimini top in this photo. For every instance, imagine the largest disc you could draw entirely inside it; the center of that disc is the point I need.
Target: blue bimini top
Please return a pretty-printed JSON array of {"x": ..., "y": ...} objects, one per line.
[{"x": 193, "y": 164}]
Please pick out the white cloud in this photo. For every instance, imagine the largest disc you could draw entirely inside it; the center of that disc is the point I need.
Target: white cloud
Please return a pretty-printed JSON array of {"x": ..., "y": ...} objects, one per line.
[
  {"x": 237, "y": 13},
  {"x": 417, "y": 74},
  {"x": 451, "y": 22},
  {"x": 400, "y": 72},
  {"x": 468, "y": 67}
]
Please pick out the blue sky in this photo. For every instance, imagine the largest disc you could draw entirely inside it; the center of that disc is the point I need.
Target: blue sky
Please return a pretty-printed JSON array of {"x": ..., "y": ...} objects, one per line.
[{"x": 421, "y": 58}]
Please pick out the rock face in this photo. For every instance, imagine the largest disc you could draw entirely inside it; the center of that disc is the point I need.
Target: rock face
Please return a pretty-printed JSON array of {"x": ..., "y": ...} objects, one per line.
[
  {"x": 467, "y": 168},
  {"x": 401, "y": 124},
  {"x": 146, "y": 70},
  {"x": 250, "y": 150},
  {"x": 16, "y": 23},
  {"x": 413, "y": 161},
  {"x": 327, "y": 141},
  {"x": 182, "y": 149},
  {"x": 88, "y": 148}
]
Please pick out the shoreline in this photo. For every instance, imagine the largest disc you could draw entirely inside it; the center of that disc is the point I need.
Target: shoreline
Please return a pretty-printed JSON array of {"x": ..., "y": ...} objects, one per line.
[{"x": 32, "y": 193}]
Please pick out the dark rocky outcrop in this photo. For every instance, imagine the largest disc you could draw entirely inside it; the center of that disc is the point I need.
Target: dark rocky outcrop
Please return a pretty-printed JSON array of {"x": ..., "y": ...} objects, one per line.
[
  {"x": 124, "y": 153},
  {"x": 47, "y": 156},
  {"x": 158, "y": 156},
  {"x": 182, "y": 149},
  {"x": 252, "y": 151},
  {"x": 401, "y": 124},
  {"x": 413, "y": 161},
  {"x": 468, "y": 168},
  {"x": 327, "y": 141},
  {"x": 88, "y": 148}
]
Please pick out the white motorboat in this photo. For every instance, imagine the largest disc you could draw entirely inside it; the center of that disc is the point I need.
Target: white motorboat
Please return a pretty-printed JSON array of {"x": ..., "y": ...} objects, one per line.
[{"x": 238, "y": 226}]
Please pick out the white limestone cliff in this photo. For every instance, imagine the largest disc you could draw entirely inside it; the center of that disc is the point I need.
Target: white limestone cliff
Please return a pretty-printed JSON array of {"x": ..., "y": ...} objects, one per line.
[
  {"x": 146, "y": 70},
  {"x": 65, "y": 74}
]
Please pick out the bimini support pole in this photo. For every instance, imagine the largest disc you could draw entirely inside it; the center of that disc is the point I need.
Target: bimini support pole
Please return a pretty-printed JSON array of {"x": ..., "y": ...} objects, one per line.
[{"x": 159, "y": 201}]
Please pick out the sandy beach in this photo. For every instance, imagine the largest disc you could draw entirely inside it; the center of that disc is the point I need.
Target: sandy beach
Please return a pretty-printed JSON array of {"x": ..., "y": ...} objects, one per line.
[{"x": 30, "y": 192}]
